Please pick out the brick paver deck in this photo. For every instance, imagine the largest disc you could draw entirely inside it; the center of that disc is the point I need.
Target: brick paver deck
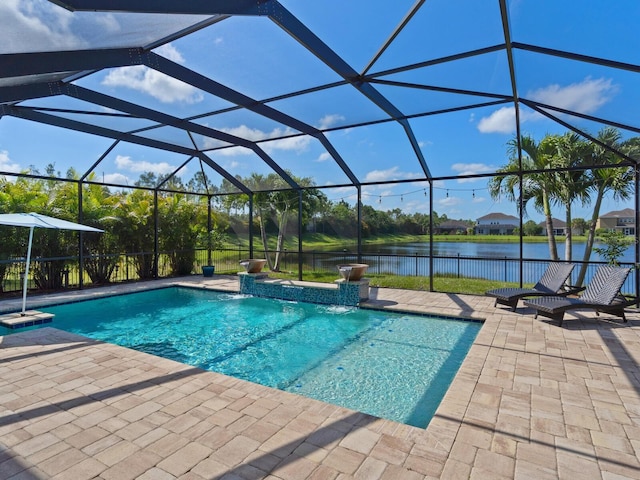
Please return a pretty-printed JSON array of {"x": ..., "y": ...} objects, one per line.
[{"x": 531, "y": 401}]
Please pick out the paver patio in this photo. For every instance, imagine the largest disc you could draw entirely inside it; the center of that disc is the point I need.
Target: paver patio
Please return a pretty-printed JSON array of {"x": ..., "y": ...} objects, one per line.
[{"x": 531, "y": 400}]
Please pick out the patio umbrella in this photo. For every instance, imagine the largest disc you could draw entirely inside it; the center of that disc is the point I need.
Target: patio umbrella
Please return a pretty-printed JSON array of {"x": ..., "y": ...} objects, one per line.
[{"x": 36, "y": 220}]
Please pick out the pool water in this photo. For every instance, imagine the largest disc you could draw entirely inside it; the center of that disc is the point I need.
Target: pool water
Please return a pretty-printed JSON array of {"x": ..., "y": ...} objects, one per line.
[{"x": 390, "y": 365}]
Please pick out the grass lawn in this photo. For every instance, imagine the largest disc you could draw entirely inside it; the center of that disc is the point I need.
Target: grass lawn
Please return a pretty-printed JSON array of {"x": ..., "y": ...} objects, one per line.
[{"x": 472, "y": 286}]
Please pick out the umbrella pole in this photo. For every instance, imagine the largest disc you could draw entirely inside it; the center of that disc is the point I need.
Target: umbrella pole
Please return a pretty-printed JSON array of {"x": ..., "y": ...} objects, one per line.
[{"x": 26, "y": 272}]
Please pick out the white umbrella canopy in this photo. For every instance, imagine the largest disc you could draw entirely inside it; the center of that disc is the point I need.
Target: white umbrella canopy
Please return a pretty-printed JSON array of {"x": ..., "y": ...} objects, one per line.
[{"x": 35, "y": 220}]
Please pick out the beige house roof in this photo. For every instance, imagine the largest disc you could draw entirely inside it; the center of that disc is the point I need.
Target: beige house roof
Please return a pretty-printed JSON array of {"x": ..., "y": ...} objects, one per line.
[
  {"x": 627, "y": 212},
  {"x": 498, "y": 216}
]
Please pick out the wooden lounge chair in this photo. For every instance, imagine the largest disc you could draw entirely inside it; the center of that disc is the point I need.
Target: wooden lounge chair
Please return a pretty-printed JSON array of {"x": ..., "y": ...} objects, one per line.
[
  {"x": 602, "y": 295},
  {"x": 552, "y": 282}
]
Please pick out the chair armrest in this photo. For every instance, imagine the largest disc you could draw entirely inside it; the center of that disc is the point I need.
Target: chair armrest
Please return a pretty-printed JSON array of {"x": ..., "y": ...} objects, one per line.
[{"x": 571, "y": 290}]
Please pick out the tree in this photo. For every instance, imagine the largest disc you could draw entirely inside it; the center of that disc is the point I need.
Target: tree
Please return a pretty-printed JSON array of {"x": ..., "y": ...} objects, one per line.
[
  {"x": 181, "y": 223},
  {"x": 98, "y": 205},
  {"x": 610, "y": 178},
  {"x": 15, "y": 196},
  {"x": 580, "y": 225},
  {"x": 535, "y": 186},
  {"x": 568, "y": 184},
  {"x": 531, "y": 228},
  {"x": 273, "y": 201},
  {"x": 134, "y": 226},
  {"x": 614, "y": 245}
]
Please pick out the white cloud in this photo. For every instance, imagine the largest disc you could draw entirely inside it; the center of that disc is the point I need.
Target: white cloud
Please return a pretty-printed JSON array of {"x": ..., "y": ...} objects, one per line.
[
  {"x": 297, "y": 144},
  {"x": 450, "y": 201},
  {"x": 6, "y": 165},
  {"x": 170, "y": 52},
  {"x": 324, "y": 156},
  {"x": 107, "y": 23},
  {"x": 127, "y": 164},
  {"x": 117, "y": 179},
  {"x": 471, "y": 169},
  {"x": 583, "y": 97},
  {"x": 478, "y": 199},
  {"x": 392, "y": 173},
  {"x": 151, "y": 82},
  {"x": 234, "y": 151},
  {"x": 330, "y": 120},
  {"x": 248, "y": 133},
  {"x": 36, "y": 26},
  {"x": 502, "y": 120}
]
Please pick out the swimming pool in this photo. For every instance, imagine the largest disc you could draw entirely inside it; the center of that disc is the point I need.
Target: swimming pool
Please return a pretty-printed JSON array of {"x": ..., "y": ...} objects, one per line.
[{"x": 390, "y": 365}]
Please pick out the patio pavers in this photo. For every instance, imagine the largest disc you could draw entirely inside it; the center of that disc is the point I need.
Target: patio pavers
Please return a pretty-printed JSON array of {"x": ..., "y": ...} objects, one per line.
[{"x": 531, "y": 400}]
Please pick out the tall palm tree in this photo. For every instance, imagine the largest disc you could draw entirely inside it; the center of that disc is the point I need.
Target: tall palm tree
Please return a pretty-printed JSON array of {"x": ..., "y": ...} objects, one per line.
[
  {"x": 535, "y": 186},
  {"x": 617, "y": 180},
  {"x": 570, "y": 185}
]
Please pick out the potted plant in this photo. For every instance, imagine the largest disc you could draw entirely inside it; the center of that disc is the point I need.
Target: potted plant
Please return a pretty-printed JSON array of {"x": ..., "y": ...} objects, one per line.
[{"x": 214, "y": 239}]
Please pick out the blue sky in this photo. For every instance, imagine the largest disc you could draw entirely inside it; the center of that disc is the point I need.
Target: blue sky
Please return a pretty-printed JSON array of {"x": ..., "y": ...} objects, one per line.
[{"x": 257, "y": 58}]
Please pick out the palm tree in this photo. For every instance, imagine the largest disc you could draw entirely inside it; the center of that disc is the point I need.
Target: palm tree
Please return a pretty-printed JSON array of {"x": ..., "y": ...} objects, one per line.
[
  {"x": 535, "y": 186},
  {"x": 616, "y": 180},
  {"x": 570, "y": 185}
]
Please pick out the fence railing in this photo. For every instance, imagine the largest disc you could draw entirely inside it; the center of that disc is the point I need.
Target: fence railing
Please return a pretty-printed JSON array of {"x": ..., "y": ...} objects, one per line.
[{"x": 137, "y": 266}]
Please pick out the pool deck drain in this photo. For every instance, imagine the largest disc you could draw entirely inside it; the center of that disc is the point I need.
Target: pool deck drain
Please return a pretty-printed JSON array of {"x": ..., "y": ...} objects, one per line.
[{"x": 531, "y": 400}]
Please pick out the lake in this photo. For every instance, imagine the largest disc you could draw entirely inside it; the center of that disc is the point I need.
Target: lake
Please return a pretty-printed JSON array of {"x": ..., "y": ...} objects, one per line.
[
  {"x": 533, "y": 251},
  {"x": 491, "y": 261}
]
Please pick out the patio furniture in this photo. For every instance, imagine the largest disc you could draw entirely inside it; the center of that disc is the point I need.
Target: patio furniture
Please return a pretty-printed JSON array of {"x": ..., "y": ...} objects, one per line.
[
  {"x": 552, "y": 282},
  {"x": 602, "y": 295}
]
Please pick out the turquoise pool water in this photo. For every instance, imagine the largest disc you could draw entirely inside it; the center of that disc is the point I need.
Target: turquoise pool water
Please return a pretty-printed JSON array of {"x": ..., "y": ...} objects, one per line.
[{"x": 390, "y": 365}]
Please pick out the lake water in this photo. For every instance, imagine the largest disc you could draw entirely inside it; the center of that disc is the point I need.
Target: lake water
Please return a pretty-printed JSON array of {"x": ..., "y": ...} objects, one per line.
[
  {"x": 534, "y": 251},
  {"x": 491, "y": 261}
]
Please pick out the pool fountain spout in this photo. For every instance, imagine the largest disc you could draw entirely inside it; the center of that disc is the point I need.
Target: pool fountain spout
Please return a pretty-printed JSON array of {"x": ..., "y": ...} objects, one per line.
[
  {"x": 253, "y": 265},
  {"x": 352, "y": 272}
]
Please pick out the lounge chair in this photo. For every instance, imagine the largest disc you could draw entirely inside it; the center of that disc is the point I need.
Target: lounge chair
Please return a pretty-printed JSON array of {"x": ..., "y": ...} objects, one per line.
[
  {"x": 602, "y": 295},
  {"x": 552, "y": 282}
]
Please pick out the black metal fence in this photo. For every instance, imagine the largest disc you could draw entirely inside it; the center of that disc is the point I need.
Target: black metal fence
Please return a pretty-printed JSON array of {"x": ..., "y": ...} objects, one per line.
[{"x": 127, "y": 267}]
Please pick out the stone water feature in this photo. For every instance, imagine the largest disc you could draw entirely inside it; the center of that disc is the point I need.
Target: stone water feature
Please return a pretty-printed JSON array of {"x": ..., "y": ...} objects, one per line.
[{"x": 347, "y": 290}]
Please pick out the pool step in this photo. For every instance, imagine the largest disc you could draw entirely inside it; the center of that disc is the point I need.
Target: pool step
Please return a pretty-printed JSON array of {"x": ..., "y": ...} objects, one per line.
[{"x": 30, "y": 318}]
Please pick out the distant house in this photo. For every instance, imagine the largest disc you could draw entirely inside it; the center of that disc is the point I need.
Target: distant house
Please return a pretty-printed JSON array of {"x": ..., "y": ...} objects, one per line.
[
  {"x": 452, "y": 227},
  {"x": 559, "y": 227},
  {"x": 619, "y": 221},
  {"x": 496, "y": 224}
]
